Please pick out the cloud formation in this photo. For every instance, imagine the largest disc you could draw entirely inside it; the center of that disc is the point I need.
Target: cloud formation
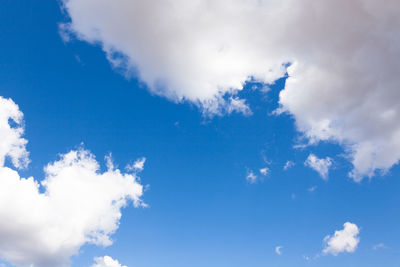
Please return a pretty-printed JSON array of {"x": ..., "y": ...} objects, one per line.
[
  {"x": 75, "y": 204},
  {"x": 289, "y": 164},
  {"x": 265, "y": 171},
  {"x": 137, "y": 166},
  {"x": 345, "y": 240},
  {"x": 12, "y": 144},
  {"x": 319, "y": 165},
  {"x": 278, "y": 250},
  {"x": 251, "y": 178},
  {"x": 106, "y": 261},
  {"x": 343, "y": 82}
]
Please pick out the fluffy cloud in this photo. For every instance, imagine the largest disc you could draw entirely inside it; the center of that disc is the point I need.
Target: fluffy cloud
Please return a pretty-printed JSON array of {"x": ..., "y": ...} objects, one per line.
[
  {"x": 343, "y": 83},
  {"x": 106, "y": 261},
  {"x": 345, "y": 240},
  {"x": 319, "y": 165},
  {"x": 12, "y": 145},
  {"x": 74, "y": 204}
]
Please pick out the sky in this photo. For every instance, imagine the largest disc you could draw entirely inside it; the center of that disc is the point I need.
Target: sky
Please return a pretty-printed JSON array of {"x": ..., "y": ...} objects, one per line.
[{"x": 199, "y": 133}]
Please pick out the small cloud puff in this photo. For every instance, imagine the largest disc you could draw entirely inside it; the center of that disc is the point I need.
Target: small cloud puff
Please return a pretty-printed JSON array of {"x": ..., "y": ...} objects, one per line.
[
  {"x": 289, "y": 164},
  {"x": 137, "y": 166},
  {"x": 319, "y": 165},
  {"x": 312, "y": 189},
  {"x": 278, "y": 250},
  {"x": 106, "y": 261},
  {"x": 265, "y": 171},
  {"x": 345, "y": 240},
  {"x": 379, "y": 246},
  {"x": 251, "y": 178}
]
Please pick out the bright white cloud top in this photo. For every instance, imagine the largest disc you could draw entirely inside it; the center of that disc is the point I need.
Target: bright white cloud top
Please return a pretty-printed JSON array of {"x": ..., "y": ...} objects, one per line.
[
  {"x": 345, "y": 240},
  {"x": 74, "y": 205},
  {"x": 343, "y": 83},
  {"x": 319, "y": 165},
  {"x": 106, "y": 261}
]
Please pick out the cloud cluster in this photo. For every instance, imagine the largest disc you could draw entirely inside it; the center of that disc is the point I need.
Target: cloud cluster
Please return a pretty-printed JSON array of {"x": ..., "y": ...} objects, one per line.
[
  {"x": 345, "y": 240},
  {"x": 106, "y": 261},
  {"x": 319, "y": 165},
  {"x": 343, "y": 83},
  {"x": 43, "y": 224}
]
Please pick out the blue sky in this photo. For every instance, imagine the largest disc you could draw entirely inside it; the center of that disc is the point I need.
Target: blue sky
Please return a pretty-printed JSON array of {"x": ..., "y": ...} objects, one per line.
[{"x": 201, "y": 209}]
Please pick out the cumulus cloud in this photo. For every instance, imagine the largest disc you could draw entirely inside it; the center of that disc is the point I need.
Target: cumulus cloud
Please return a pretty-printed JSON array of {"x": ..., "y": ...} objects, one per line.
[
  {"x": 319, "y": 165},
  {"x": 345, "y": 240},
  {"x": 343, "y": 82},
  {"x": 75, "y": 204},
  {"x": 106, "y": 261}
]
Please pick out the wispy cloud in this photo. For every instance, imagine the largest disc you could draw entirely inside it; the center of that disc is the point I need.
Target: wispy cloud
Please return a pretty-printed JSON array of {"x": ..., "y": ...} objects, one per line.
[
  {"x": 289, "y": 164},
  {"x": 251, "y": 178},
  {"x": 379, "y": 246},
  {"x": 278, "y": 250},
  {"x": 319, "y": 165},
  {"x": 312, "y": 189}
]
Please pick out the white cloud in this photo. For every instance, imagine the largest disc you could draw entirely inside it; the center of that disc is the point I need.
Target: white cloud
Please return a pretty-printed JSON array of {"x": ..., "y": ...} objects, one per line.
[
  {"x": 379, "y": 246},
  {"x": 289, "y": 164},
  {"x": 238, "y": 105},
  {"x": 12, "y": 145},
  {"x": 137, "y": 166},
  {"x": 343, "y": 83},
  {"x": 265, "y": 171},
  {"x": 75, "y": 204},
  {"x": 319, "y": 165},
  {"x": 345, "y": 240},
  {"x": 278, "y": 250},
  {"x": 251, "y": 177},
  {"x": 312, "y": 189},
  {"x": 106, "y": 261}
]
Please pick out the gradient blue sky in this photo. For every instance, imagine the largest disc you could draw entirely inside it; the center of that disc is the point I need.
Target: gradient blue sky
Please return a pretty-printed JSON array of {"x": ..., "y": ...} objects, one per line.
[{"x": 202, "y": 211}]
